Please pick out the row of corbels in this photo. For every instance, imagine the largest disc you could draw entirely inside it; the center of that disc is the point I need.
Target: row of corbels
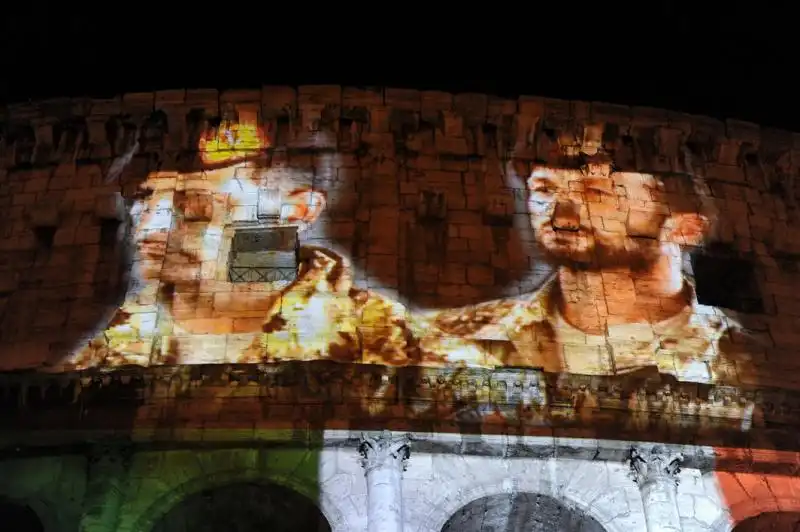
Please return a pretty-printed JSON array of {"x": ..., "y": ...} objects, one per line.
[
  {"x": 476, "y": 109},
  {"x": 45, "y": 218},
  {"x": 644, "y": 146},
  {"x": 295, "y": 374}
]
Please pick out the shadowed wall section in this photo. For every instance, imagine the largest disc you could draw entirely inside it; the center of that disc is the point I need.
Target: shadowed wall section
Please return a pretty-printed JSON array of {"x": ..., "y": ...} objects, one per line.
[
  {"x": 19, "y": 517},
  {"x": 244, "y": 508}
]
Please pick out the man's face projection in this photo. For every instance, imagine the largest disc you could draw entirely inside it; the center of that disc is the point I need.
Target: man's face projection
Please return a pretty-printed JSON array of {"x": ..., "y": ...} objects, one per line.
[
  {"x": 181, "y": 222},
  {"x": 596, "y": 222}
]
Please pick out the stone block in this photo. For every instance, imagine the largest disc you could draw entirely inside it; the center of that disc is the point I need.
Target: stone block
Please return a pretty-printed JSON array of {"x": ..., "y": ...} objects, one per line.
[
  {"x": 138, "y": 102},
  {"x": 170, "y": 97},
  {"x": 436, "y": 101},
  {"x": 319, "y": 94},
  {"x": 241, "y": 96},
  {"x": 362, "y": 97},
  {"x": 472, "y": 107},
  {"x": 278, "y": 100},
  {"x": 407, "y": 99},
  {"x": 647, "y": 117},
  {"x": 110, "y": 207},
  {"x": 612, "y": 113},
  {"x": 45, "y": 216},
  {"x": 23, "y": 112}
]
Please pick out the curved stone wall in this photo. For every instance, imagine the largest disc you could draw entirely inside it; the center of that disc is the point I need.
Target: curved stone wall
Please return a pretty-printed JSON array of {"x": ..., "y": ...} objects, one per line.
[
  {"x": 66, "y": 161},
  {"x": 429, "y": 205}
]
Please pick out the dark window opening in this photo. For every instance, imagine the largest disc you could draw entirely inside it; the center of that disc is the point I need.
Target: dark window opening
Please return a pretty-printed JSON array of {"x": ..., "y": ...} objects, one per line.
[
  {"x": 109, "y": 230},
  {"x": 45, "y": 236},
  {"x": 283, "y": 133},
  {"x": 610, "y": 133},
  {"x": 345, "y": 123},
  {"x": 24, "y": 144},
  {"x": 432, "y": 206},
  {"x": 727, "y": 282},
  {"x": 264, "y": 255}
]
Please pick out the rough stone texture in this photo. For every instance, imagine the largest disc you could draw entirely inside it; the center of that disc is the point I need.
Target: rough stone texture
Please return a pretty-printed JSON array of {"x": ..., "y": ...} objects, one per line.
[
  {"x": 420, "y": 195},
  {"x": 391, "y": 146}
]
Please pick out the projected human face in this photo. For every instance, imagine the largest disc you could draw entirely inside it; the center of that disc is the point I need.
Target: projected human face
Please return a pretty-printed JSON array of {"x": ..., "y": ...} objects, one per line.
[
  {"x": 595, "y": 221},
  {"x": 179, "y": 223},
  {"x": 180, "y": 219}
]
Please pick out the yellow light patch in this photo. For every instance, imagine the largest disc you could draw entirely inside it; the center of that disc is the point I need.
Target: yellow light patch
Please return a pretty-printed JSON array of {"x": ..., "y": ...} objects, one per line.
[{"x": 232, "y": 142}]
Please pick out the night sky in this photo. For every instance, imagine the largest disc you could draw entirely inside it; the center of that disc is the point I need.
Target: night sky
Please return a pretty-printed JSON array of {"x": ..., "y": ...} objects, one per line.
[{"x": 721, "y": 60}]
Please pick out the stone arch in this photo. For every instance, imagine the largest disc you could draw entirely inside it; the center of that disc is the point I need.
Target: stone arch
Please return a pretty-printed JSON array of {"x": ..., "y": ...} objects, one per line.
[
  {"x": 767, "y": 521},
  {"x": 520, "y": 511},
  {"x": 439, "y": 517},
  {"x": 23, "y": 515},
  {"x": 148, "y": 518},
  {"x": 244, "y": 506},
  {"x": 52, "y": 486},
  {"x": 750, "y": 509},
  {"x": 46, "y": 511}
]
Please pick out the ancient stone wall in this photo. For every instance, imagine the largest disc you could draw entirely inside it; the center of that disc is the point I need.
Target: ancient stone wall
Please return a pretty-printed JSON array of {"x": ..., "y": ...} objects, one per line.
[
  {"x": 428, "y": 202},
  {"x": 66, "y": 162}
]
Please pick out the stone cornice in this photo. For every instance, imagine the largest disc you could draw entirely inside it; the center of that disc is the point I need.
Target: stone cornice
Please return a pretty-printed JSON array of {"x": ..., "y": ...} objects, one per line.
[
  {"x": 407, "y": 122},
  {"x": 326, "y": 395},
  {"x": 125, "y": 444}
]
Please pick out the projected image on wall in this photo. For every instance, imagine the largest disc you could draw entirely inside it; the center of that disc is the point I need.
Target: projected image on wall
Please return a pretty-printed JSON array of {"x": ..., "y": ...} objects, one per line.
[{"x": 224, "y": 273}]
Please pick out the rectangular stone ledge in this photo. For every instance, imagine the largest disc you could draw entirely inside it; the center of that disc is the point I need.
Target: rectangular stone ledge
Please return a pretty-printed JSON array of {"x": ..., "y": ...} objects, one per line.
[
  {"x": 106, "y": 107},
  {"x": 209, "y": 395},
  {"x": 303, "y": 435},
  {"x": 472, "y": 109},
  {"x": 235, "y": 96},
  {"x": 744, "y": 131},
  {"x": 319, "y": 94},
  {"x": 139, "y": 101},
  {"x": 414, "y": 99},
  {"x": 170, "y": 97},
  {"x": 362, "y": 97}
]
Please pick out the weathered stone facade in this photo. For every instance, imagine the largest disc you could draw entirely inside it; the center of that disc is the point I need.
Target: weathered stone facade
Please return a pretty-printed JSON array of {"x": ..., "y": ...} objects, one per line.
[{"x": 426, "y": 196}]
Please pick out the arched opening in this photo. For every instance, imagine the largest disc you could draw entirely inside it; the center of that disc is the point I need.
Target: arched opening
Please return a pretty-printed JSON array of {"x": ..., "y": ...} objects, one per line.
[
  {"x": 244, "y": 507},
  {"x": 24, "y": 519},
  {"x": 520, "y": 512},
  {"x": 771, "y": 521}
]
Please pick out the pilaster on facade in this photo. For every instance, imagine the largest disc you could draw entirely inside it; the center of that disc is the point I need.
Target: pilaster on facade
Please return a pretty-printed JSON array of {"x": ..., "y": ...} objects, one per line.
[
  {"x": 655, "y": 470},
  {"x": 384, "y": 458}
]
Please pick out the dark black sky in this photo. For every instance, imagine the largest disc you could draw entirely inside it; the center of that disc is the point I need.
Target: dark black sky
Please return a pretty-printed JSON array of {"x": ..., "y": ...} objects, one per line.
[{"x": 724, "y": 60}]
